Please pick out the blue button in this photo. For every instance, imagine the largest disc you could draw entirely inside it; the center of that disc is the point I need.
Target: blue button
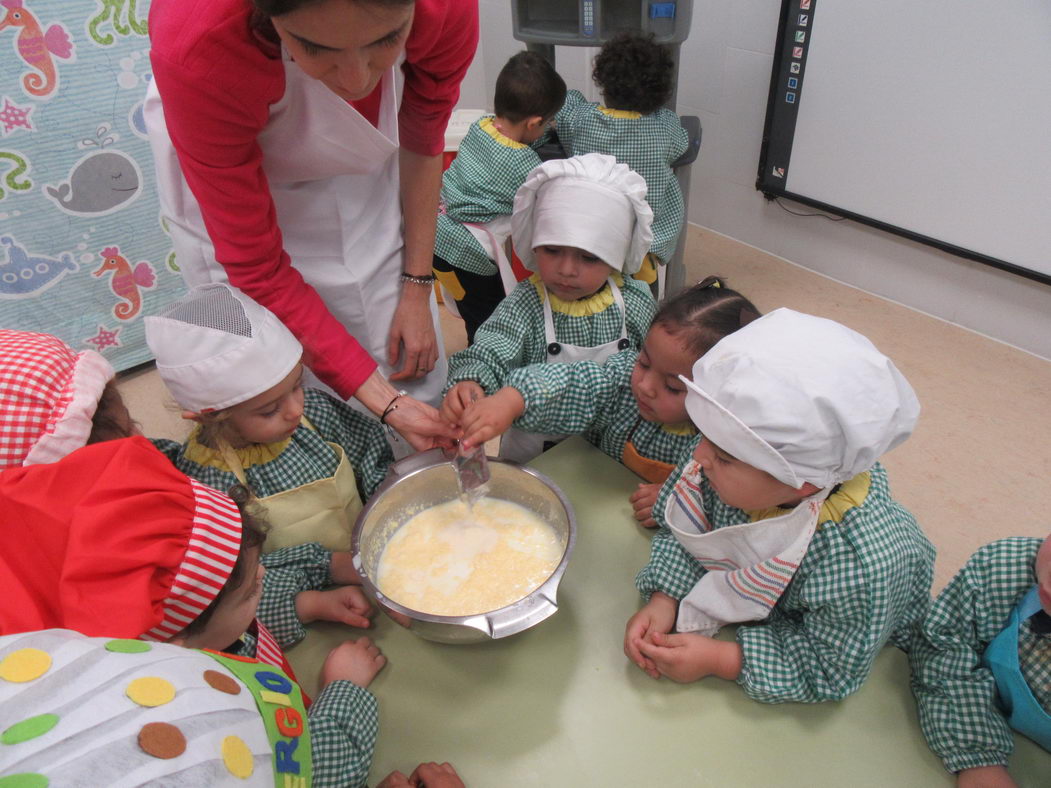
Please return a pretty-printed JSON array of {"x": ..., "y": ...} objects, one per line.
[
  {"x": 662, "y": 10},
  {"x": 793, "y": 82}
]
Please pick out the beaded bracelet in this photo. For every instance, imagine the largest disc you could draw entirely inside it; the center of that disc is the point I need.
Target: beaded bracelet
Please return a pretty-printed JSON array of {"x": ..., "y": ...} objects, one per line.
[
  {"x": 419, "y": 280},
  {"x": 392, "y": 406}
]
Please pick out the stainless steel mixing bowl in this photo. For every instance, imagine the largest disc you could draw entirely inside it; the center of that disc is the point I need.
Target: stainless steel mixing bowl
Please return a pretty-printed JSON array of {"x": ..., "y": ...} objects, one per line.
[{"x": 427, "y": 479}]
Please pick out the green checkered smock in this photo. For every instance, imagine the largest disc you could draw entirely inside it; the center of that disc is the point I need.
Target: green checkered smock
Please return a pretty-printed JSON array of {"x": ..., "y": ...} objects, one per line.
[
  {"x": 344, "y": 718},
  {"x": 301, "y": 459},
  {"x": 955, "y": 694},
  {"x": 479, "y": 185},
  {"x": 514, "y": 335},
  {"x": 865, "y": 580},
  {"x": 649, "y": 144},
  {"x": 595, "y": 400}
]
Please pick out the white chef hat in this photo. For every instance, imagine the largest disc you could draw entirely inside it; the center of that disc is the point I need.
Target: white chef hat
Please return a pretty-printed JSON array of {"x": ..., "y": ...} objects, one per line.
[
  {"x": 801, "y": 397},
  {"x": 216, "y": 347},
  {"x": 590, "y": 202}
]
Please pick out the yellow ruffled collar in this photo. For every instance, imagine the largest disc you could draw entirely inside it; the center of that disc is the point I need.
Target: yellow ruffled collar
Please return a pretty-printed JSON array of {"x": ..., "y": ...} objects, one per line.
[
  {"x": 489, "y": 127},
  {"x": 589, "y": 305},
  {"x": 851, "y": 494},
  {"x": 682, "y": 428},
  {"x": 255, "y": 454},
  {"x": 625, "y": 114}
]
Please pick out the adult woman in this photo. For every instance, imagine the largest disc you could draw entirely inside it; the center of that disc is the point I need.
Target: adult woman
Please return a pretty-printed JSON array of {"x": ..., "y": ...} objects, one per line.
[{"x": 275, "y": 127}]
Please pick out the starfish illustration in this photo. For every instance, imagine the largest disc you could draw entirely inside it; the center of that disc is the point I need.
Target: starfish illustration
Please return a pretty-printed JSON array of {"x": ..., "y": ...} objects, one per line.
[
  {"x": 104, "y": 338},
  {"x": 13, "y": 117}
]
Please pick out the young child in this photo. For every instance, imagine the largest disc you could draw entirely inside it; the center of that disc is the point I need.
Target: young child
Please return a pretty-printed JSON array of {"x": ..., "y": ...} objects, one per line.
[
  {"x": 479, "y": 187},
  {"x": 634, "y": 74},
  {"x": 583, "y": 225},
  {"x": 114, "y": 541},
  {"x": 234, "y": 368},
  {"x": 54, "y": 400},
  {"x": 634, "y": 406},
  {"x": 981, "y": 660},
  {"x": 784, "y": 517}
]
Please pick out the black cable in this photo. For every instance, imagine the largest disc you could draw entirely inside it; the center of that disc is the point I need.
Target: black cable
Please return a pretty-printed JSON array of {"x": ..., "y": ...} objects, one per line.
[{"x": 799, "y": 213}]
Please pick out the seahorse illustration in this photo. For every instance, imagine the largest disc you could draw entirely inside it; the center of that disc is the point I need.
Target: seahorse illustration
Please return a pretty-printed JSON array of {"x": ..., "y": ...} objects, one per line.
[
  {"x": 11, "y": 178},
  {"x": 111, "y": 10},
  {"x": 36, "y": 47},
  {"x": 126, "y": 281}
]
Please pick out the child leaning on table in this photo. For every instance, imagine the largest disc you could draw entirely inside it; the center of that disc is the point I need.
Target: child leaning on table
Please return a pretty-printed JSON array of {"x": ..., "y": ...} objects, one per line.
[
  {"x": 583, "y": 225},
  {"x": 232, "y": 366},
  {"x": 53, "y": 399},
  {"x": 981, "y": 660},
  {"x": 478, "y": 189},
  {"x": 634, "y": 74},
  {"x": 783, "y": 517},
  {"x": 633, "y": 407},
  {"x": 113, "y": 541}
]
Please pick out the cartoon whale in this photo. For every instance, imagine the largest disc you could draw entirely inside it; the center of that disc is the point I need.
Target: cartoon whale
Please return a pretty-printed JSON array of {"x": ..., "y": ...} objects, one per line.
[
  {"x": 23, "y": 276},
  {"x": 99, "y": 183}
]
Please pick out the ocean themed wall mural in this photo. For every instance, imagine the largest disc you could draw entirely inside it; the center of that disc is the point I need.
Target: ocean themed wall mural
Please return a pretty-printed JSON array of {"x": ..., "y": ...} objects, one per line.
[{"x": 83, "y": 253}]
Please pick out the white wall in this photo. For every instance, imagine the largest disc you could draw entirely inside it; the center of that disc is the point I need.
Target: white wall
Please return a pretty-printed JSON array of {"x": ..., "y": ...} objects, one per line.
[{"x": 724, "y": 78}]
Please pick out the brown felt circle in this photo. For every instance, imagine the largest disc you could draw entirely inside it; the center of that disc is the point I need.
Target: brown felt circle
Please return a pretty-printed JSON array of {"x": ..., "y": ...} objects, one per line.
[
  {"x": 222, "y": 682},
  {"x": 162, "y": 740}
]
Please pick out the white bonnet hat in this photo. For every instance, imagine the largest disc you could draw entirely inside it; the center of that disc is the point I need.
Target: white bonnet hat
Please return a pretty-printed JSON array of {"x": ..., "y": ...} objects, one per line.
[
  {"x": 216, "y": 347},
  {"x": 803, "y": 398},
  {"x": 591, "y": 202}
]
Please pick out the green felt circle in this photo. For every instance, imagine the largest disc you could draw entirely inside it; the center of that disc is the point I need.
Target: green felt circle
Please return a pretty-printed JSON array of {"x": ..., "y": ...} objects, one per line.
[
  {"x": 24, "y": 780},
  {"x": 29, "y": 728},
  {"x": 128, "y": 646}
]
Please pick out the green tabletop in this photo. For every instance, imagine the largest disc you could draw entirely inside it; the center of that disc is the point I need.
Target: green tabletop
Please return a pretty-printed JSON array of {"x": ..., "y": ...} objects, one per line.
[{"x": 560, "y": 705}]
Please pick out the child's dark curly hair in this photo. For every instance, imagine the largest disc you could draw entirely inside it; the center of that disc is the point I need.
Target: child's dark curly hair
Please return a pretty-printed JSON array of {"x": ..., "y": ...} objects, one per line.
[{"x": 634, "y": 73}]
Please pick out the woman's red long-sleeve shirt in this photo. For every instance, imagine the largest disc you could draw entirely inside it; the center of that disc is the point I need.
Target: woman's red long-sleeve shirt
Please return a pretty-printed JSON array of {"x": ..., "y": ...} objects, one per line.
[{"x": 217, "y": 80}]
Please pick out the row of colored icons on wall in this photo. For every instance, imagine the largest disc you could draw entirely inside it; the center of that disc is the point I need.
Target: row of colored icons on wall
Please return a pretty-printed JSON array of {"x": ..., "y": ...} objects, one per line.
[{"x": 802, "y": 22}]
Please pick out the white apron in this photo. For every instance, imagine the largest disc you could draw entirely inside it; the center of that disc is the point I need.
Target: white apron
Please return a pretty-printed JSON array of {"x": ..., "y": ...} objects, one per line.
[
  {"x": 492, "y": 237},
  {"x": 521, "y": 446},
  {"x": 333, "y": 178},
  {"x": 748, "y": 566}
]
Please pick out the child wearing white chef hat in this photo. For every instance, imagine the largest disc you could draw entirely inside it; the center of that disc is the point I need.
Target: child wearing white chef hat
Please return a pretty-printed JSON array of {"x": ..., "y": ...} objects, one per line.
[
  {"x": 234, "y": 368},
  {"x": 583, "y": 226},
  {"x": 783, "y": 516}
]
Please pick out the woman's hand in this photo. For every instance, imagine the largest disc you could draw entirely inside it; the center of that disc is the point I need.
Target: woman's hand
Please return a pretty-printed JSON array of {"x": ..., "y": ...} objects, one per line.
[
  {"x": 412, "y": 337},
  {"x": 421, "y": 425}
]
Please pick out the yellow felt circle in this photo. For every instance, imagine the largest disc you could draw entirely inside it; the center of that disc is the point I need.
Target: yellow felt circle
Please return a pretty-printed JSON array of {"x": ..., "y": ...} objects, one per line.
[
  {"x": 25, "y": 664},
  {"x": 237, "y": 757},
  {"x": 150, "y": 691}
]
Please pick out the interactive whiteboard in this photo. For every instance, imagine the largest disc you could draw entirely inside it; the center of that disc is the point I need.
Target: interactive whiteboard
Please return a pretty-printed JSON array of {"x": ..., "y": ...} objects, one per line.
[{"x": 929, "y": 118}]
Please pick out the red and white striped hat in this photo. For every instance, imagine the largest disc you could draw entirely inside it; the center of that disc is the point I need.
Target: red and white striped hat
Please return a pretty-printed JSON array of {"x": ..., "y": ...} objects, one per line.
[
  {"x": 112, "y": 541},
  {"x": 48, "y": 397}
]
